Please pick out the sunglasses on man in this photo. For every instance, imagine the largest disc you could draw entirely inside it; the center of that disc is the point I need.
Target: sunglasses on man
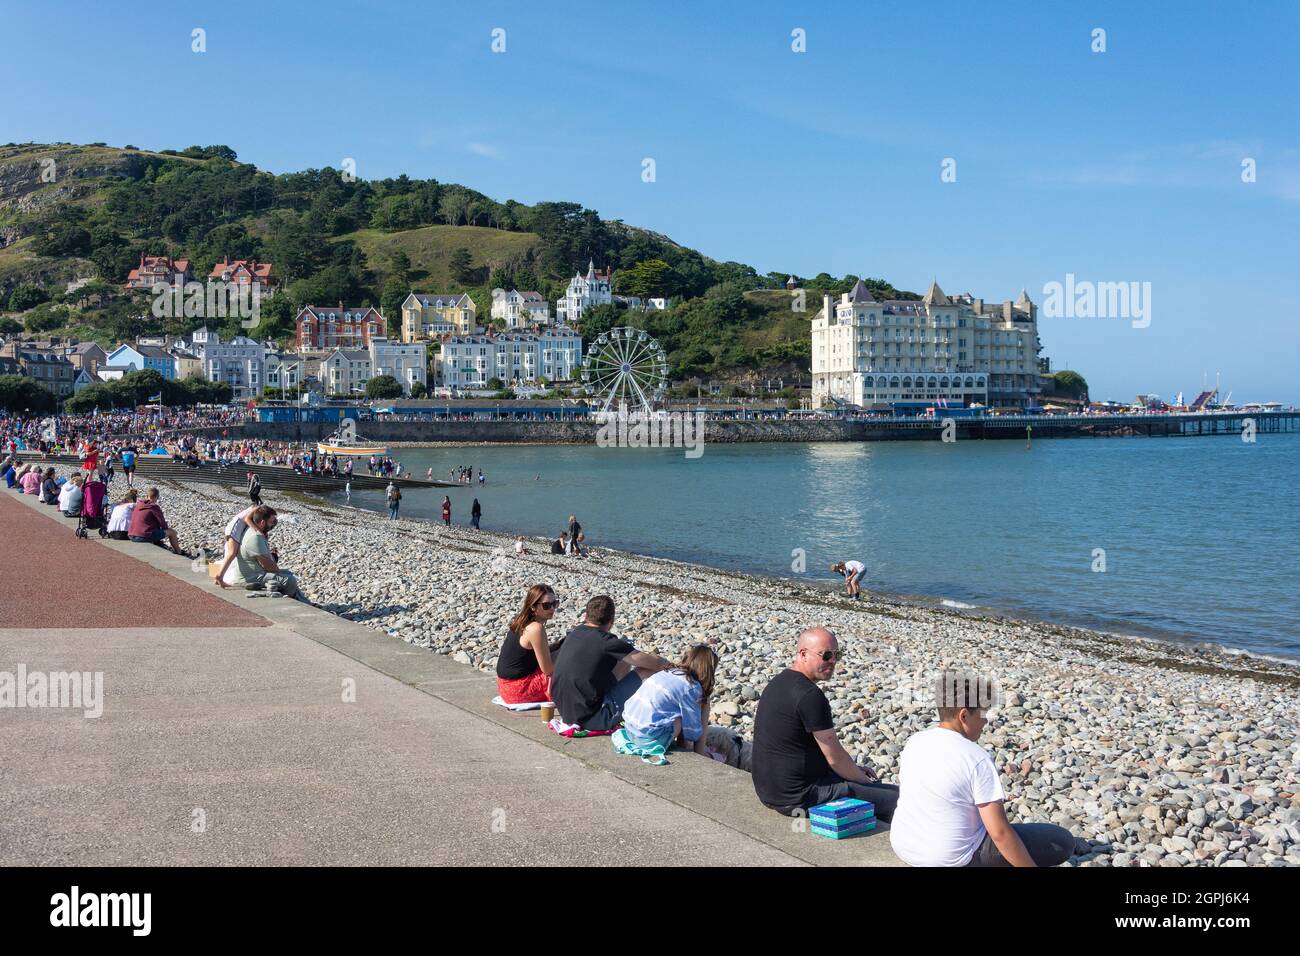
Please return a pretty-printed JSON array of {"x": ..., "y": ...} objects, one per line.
[{"x": 826, "y": 656}]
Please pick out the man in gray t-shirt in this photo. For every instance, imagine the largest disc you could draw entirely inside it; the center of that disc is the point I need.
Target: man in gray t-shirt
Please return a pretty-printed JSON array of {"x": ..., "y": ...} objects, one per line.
[{"x": 255, "y": 567}]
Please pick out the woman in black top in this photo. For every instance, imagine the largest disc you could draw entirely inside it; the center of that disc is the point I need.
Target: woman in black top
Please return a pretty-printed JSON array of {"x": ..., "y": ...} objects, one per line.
[{"x": 525, "y": 665}]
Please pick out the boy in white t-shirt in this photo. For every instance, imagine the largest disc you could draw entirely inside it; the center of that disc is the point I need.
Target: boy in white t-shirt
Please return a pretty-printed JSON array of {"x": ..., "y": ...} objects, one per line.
[{"x": 950, "y": 804}]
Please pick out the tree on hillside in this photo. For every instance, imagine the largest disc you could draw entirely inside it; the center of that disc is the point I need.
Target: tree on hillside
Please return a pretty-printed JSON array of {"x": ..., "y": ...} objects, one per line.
[
  {"x": 383, "y": 386},
  {"x": 598, "y": 320},
  {"x": 23, "y": 394},
  {"x": 1070, "y": 384},
  {"x": 26, "y": 296},
  {"x": 399, "y": 267},
  {"x": 45, "y": 317},
  {"x": 461, "y": 265},
  {"x": 390, "y": 302},
  {"x": 645, "y": 280}
]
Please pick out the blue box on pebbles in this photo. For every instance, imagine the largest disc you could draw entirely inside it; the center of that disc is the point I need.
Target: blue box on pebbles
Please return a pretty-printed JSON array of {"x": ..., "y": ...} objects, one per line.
[{"x": 843, "y": 818}]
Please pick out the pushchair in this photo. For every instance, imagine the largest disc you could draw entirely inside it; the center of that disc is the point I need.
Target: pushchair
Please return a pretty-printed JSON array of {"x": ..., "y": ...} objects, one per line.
[{"x": 95, "y": 509}]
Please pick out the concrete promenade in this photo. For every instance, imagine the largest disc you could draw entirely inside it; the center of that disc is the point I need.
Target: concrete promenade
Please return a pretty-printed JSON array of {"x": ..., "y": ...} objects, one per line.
[{"x": 241, "y": 729}]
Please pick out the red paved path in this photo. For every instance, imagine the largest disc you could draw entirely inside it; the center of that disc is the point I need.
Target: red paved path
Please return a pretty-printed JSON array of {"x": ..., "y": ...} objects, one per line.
[{"x": 51, "y": 578}]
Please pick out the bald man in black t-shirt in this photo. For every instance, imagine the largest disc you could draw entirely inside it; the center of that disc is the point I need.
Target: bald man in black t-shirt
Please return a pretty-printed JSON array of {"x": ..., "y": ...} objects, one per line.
[{"x": 798, "y": 760}]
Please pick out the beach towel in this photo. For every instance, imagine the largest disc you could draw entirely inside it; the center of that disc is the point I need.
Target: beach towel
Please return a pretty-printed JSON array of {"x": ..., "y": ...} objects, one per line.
[
  {"x": 533, "y": 705},
  {"x": 573, "y": 730},
  {"x": 652, "y": 751}
]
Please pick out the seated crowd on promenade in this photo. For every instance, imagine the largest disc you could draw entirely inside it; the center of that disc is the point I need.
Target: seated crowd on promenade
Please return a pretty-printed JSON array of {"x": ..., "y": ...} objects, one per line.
[{"x": 947, "y": 808}]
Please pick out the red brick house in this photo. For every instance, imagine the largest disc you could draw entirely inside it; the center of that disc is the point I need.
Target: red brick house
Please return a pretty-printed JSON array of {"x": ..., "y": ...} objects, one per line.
[{"x": 338, "y": 327}]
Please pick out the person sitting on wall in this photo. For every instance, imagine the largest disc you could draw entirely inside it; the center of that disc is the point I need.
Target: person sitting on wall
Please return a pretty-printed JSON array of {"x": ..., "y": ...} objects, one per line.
[
  {"x": 951, "y": 807},
  {"x": 798, "y": 761}
]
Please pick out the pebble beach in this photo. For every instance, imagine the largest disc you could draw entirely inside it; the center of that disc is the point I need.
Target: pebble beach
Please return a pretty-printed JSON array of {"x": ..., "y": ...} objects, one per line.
[{"x": 1152, "y": 754}]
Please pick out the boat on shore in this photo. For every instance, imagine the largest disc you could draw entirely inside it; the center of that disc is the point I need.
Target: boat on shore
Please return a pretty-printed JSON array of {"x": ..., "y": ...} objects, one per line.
[
  {"x": 353, "y": 449},
  {"x": 349, "y": 445}
]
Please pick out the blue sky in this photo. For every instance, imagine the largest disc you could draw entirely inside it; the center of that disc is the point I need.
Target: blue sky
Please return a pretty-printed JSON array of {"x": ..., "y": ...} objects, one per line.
[{"x": 1115, "y": 166}]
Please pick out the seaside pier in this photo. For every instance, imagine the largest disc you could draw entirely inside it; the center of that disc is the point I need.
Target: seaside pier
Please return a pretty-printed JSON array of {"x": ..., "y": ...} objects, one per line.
[{"x": 762, "y": 427}]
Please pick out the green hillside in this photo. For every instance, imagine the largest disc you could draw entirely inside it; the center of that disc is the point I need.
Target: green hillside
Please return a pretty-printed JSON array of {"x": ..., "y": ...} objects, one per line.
[{"x": 87, "y": 213}]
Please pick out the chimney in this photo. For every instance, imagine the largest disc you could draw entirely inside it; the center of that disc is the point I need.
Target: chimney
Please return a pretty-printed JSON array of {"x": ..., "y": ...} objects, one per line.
[{"x": 826, "y": 306}]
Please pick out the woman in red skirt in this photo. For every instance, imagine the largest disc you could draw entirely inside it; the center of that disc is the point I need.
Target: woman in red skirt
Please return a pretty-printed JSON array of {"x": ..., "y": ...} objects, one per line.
[{"x": 525, "y": 665}]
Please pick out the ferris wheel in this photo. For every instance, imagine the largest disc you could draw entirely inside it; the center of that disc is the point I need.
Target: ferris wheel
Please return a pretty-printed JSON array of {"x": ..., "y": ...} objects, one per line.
[{"x": 626, "y": 367}]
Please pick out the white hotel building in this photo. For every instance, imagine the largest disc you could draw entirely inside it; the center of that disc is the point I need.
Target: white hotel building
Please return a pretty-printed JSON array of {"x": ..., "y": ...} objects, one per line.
[
  {"x": 470, "y": 361},
  {"x": 959, "y": 350}
]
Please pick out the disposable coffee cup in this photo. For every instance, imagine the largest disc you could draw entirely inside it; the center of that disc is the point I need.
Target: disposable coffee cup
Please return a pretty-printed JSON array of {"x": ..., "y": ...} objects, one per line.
[{"x": 548, "y": 711}]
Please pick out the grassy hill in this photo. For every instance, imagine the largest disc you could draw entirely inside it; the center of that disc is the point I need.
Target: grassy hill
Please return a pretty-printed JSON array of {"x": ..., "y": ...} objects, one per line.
[
  {"x": 430, "y": 247},
  {"x": 70, "y": 212}
]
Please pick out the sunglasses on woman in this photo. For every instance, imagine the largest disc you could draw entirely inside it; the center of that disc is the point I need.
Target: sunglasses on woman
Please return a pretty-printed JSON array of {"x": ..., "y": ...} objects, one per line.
[{"x": 549, "y": 605}]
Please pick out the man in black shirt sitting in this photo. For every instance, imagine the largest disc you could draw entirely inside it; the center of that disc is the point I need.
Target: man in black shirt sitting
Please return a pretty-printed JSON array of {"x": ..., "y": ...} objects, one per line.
[
  {"x": 798, "y": 761},
  {"x": 597, "y": 672}
]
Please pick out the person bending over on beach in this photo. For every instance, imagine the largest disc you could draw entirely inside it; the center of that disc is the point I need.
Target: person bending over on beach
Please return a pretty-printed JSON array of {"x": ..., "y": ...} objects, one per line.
[
  {"x": 798, "y": 760},
  {"x": 672, "y": 706},
  {"x": 950, "y": 807},
  {"x": 597, "y": 671},
  {"x": 560, "y": 544},
  {"x": 256, "y": 567},
  {"x": 853, "y": 572},
  {"x": 525, "y": 665}
]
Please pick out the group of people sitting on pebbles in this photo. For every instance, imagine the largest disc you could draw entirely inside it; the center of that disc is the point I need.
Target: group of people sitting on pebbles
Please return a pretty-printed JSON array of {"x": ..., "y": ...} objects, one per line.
[{"x": 946, "y": 809}]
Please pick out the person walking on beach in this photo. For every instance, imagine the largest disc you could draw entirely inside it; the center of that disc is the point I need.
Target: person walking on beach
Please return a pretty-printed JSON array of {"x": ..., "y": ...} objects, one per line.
[
  {"x": 853, "y": 572},
  {"x": 951, "y": 802},
  {"x": 394, "y": 496},
  {"x": 128, "y": 465},
  {"x": 475, "y": 512},
  {"x": 574, "y": 528},
  {"x": 481, "y": 479},
  {"x": 446, "y": 510},
  {"x": 798, "y": 761},
  {"x": 525, "y": 664},
  {"x": 254, "y": 488}
]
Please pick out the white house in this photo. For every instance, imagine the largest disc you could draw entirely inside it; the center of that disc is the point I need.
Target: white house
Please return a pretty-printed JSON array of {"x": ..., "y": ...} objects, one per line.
[
  {"x": 595, "y": 288},
  {"x": 240, "y": 363},
  {"x": 471, "y": 361},
  {"x": 520, "y": 310},
  {"x": 284, "y": 370},
  {"x": 345, "y": 372},
  {"x": 406, "y": 362}
]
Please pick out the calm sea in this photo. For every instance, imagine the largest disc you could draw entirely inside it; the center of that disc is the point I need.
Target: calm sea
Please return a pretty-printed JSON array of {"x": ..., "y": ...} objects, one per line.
[{"x": 1200, "y": 537}]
